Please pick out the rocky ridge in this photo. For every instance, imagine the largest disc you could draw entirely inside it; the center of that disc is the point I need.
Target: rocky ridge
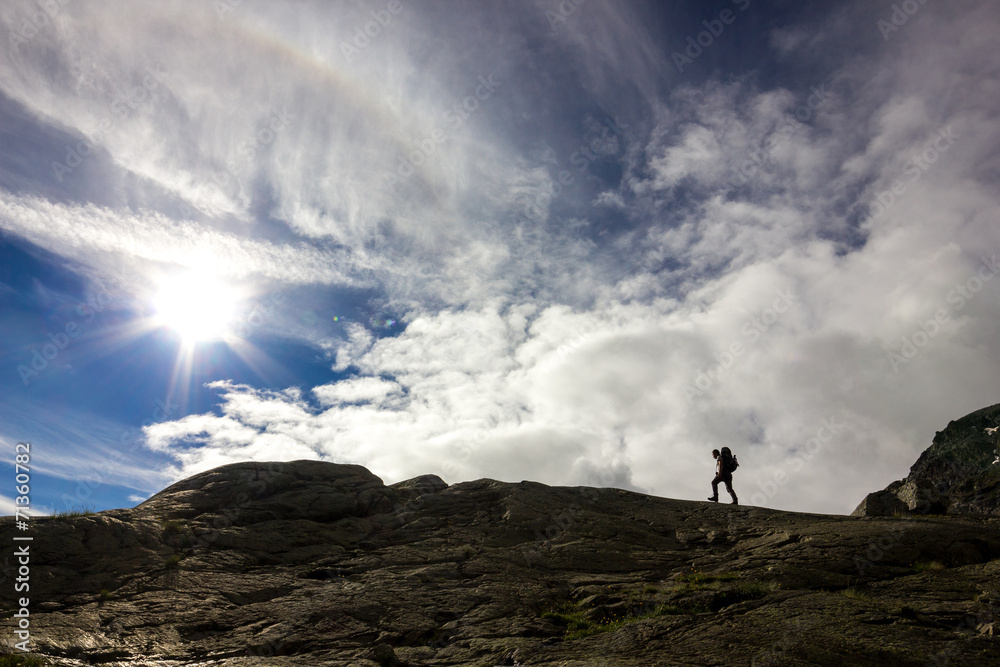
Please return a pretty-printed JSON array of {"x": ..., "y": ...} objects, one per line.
[
  {"x": 958, "y": 474},
  {"x": 313, "y": 563}
]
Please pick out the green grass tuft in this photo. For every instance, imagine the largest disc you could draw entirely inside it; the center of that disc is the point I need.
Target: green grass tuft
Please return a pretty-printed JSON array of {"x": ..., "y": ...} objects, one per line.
[
  {"x": 171, "y": 527},
  {"x": 928, "y": 566},
  {"x": 696, "y": 577},
  {"x": 173, "y": 561},
  {"x": 855, "y": 594},
  {"x": 75, "y": 512}
]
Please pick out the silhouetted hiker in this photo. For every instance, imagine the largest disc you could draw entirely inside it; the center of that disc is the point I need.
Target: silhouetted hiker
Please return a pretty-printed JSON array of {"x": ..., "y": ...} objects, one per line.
[{"x": 725, "y": 464}]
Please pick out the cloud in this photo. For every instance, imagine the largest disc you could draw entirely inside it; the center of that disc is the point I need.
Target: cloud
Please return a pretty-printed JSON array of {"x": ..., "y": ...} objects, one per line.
[
  {"x": 359, "y": 390},
  {"x": 737, "y": 264},
  {"x": 89, "y": 232}
]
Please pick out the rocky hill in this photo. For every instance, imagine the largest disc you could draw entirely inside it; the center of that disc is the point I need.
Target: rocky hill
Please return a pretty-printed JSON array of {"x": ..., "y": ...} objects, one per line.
[
  {"x": 958, "y": 474},
  {"x": 311, "y": 563}
]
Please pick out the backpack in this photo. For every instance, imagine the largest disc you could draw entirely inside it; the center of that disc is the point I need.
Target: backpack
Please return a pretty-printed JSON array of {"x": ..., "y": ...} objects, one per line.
[{"x": 729, "y": 462}]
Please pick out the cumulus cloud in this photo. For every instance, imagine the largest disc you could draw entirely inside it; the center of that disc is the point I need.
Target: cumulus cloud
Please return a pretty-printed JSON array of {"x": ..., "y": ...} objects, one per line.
[{"x": 797, "y": 265}]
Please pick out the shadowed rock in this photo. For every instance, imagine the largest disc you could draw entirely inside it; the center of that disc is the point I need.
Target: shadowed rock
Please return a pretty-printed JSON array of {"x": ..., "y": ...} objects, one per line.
[
  {"x": 311, "y": 563},
  {"x": 958, "y": 474}
]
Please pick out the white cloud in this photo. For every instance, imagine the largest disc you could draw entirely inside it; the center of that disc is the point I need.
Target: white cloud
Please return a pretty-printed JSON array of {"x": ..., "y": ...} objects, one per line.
[
  {"x": 89, "y": 232},
  {"x": 541, "y": 341},
  {"x": 359, "y": 390}
]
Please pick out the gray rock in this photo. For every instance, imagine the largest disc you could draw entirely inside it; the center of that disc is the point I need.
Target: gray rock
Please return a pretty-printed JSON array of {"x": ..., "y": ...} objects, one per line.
[
  {"x": 958, "y": 474},
  {"x": 310, "y": 563}
]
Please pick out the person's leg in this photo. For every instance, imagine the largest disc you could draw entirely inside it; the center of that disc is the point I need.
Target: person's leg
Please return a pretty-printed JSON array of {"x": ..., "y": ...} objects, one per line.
[
  {"x": 715, "y": 488},
  {"x": 729, "y": 488}
]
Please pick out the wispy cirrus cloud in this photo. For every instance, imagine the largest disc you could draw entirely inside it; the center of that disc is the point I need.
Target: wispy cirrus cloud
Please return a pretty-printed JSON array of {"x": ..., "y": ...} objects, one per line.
[{"x": 577, "y": 304}]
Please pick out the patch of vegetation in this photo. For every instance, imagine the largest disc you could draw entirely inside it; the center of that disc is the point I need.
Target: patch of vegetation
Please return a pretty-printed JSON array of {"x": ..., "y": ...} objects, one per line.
[
  {"x": 690, "y": 593},
  {"x": 856, "y": 594},
  {"x": 928, "y": 566},
  {"x": 743, "y": 591},
  {"x": 176, "y": 534},
  {"x": 696, "y": 577},
  {"x": 104, "y": 594},
  {"x": 22, "y": 660},
  {"x": 574, "y": 619},
  {"x": 171, "y": 527},
  {"x": 570, "y": 617},
  {"x": 75, "y": 512},
  {"x": 173, "y": 561}
]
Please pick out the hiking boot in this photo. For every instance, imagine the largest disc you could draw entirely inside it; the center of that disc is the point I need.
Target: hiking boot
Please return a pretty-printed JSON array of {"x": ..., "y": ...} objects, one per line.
[
  {"x": 714, "y": 499},
  {"x": 735, "y": 501}
]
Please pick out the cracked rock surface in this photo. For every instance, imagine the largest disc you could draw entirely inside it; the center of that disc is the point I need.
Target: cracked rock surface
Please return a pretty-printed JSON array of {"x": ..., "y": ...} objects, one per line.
[{"x": 313, "y": 563}]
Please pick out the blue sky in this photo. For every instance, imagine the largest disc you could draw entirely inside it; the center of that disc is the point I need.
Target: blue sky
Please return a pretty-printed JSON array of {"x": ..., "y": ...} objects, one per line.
[{"x": 582, "y": 243}]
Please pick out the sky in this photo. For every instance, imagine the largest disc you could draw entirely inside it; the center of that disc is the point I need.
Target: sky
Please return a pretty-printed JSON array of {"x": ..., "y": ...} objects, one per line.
[{"x": 581, "y": 242}]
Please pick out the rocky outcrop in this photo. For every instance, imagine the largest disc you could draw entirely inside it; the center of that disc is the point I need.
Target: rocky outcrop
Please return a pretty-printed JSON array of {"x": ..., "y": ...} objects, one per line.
[
  {"x": 958, "y": 474},
  {"x": 310, "y": 563}
]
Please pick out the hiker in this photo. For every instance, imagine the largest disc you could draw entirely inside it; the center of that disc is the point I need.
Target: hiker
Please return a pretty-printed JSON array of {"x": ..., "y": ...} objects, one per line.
[{"x": 725, "y": 464}]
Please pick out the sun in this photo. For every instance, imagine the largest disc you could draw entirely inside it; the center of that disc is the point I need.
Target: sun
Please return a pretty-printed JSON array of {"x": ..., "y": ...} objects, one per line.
[{"x": 198, "y": 306}]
